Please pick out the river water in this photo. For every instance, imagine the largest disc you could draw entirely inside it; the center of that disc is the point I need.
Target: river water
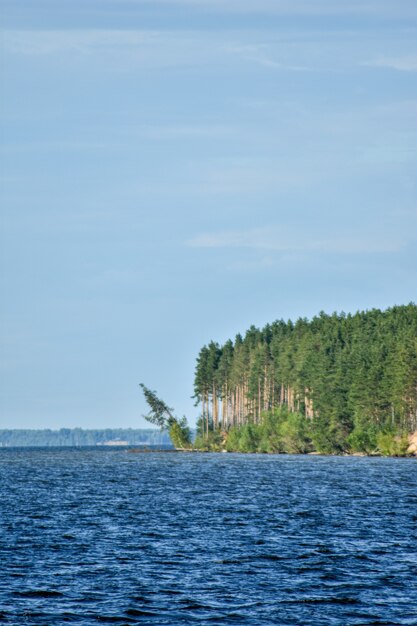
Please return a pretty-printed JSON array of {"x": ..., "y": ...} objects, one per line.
[{"x": 107, "y": 536}]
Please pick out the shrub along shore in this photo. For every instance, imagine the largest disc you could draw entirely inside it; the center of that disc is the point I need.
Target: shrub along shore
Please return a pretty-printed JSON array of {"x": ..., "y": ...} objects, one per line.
[{"x": 282, "y": 432}]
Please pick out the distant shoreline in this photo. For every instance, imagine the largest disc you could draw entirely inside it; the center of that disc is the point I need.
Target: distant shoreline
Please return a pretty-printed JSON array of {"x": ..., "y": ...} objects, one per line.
[{"x": 79, "y": 437}]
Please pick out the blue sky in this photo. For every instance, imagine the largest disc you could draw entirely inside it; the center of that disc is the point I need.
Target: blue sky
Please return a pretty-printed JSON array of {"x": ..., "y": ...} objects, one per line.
[{"x": 173, "y": 172}]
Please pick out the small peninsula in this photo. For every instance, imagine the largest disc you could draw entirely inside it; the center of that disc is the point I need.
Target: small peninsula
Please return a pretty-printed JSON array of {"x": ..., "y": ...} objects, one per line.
[{"x": 335, "y": 384}]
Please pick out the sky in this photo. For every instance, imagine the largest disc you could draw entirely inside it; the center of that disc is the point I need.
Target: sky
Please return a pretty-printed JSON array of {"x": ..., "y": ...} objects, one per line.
[{"x": 175, "y": 171}]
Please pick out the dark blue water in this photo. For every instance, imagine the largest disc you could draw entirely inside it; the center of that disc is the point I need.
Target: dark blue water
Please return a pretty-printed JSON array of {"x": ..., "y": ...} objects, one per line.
[{"x": 104, "y": 536}]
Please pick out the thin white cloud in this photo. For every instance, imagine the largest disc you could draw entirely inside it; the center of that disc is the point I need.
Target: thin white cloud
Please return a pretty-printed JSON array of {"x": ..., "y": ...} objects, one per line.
[
  {"x": 277, "y": 240},
  {"x": 181, "y": 131},
  {"x": 356, "y": 245},
  {"x": 127, "y": 49},
  {"x": 118, "y": 49},
  {"x": 48, "y": 42},
  {"x": 257, "y": 238},
  {"x": 52, "y": 146},
  {"x": 151, "y": 132},
  {"x": 263, "y": 55},
  {"x": 252, "y": 265},
  {"x": 137, "y": 49},
  {"x": 401, "y": 64},
  {"x": 295, "y": 7},
  {"x": 119, "y": 277}
]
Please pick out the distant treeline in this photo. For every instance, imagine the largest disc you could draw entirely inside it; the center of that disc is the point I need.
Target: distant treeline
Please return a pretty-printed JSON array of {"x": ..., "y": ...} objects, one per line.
[
  {"x": 81, "y": 437},
  {"x": 335, "y": 383}
]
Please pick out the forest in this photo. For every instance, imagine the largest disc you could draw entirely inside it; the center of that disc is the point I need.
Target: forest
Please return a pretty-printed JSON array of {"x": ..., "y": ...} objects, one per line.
[{"x": 339, "y": 383}]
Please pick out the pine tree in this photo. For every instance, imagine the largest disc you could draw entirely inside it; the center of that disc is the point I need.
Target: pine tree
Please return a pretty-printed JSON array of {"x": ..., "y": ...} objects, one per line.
[{"x": 162, "y": 415}]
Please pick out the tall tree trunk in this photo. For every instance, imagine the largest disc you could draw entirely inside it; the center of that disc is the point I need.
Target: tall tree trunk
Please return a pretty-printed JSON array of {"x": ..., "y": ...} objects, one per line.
[
  {"x": 308, "y": 402},
  {"x": 204, "y": 415},
  {"x": 266, "y": 391},
  {"x": 234, "y": 402},
  {"x": 215, "y": 409},
  {"x": 258, "y": 419}
]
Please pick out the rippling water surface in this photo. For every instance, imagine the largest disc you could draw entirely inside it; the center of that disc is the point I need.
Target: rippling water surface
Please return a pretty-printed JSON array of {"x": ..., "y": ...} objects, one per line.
[{"x": 104, "y": 536}]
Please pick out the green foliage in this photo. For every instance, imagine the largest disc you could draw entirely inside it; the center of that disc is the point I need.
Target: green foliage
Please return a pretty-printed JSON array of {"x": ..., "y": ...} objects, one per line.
[
  {"x": 180, "y": 433},
  {"x": 213, "y": 442},
  {"x": 270, "y": 440},
  {"x": 249, "y": 438},
  {"x": 294, "y": 434},
  {"x": 200, "y": 428},
  {"x": 363, "y": 439},
  {"x": 279, "y": 431},
  {"x": 390, "y": 444},
  {"x": 232, "y": 441}
]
